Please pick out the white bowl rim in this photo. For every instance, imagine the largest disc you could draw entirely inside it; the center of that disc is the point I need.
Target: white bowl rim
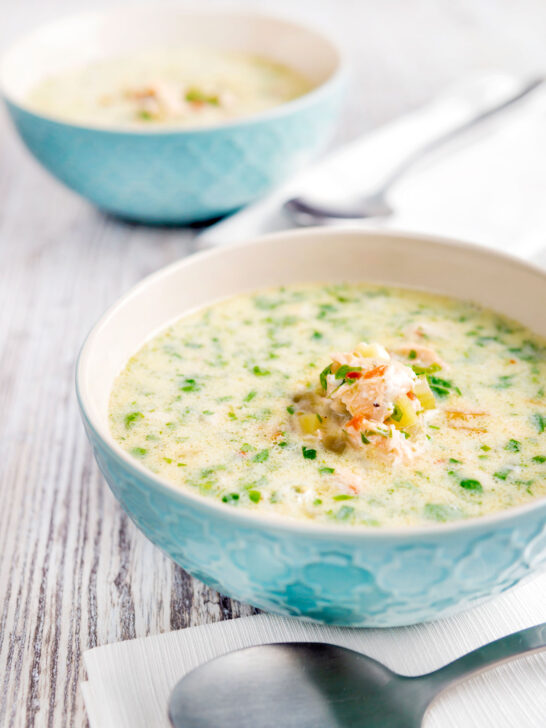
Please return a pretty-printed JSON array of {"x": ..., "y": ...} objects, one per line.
[
  {"x": 336, "y": 78},
  {"x": 246, "y": 516}
]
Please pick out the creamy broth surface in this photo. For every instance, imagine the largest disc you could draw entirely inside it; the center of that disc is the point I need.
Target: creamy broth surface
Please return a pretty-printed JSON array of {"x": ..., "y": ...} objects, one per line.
[
  {"x": 245, "y": 401},
  {"x": 168, "y": 87}
]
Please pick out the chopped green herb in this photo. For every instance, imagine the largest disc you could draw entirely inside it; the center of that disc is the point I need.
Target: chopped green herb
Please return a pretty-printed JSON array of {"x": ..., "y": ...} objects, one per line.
[
  {"x": 317, "y": 502},
  {"x": 440, "y": 512},
  {"x": 528, "y": 352},
  {"x": 485, "y": 448},
  {"x": 343, "y": 496},
  {"x": 325, "y": 470},
  {"x": 265, "y": 303},
  {"x": 344, "y": 513},
  {"x": 539, "y": 459},
  {"x": 324, "y": 373},
  {"x": 190, "y": 385},
  {"x": 470, "y": 484},
  {"x": 138, "y": 451},
  {"x": 484, "y": 340},
  {"x": 539, "y": 421},
  {"x": 345, "y": 371},
  {"x": 259, "y": 372},
  {"x": 513, "y": 445},
  {"x": 396, "y": 413},
  {"x": 290, "y": 409},
  {"x": 255, "y": 496},
  {"x": 504, "y": 382},
  {"x": 325, "y": 309},
  {"x": 342, "y": 371},
  {"x": 261, "y": 456},
  {"x": 502, "y": 474},
  {"x": 412, "y": 354},
  {"x": 441, "y": 387},
  {"x": 231, "y": 498},
  {"x": 364, "y": 439},
  {"x": 309, "y": 453},
  {"x": 454, "y": 460},
  {"x": 316, "y": 335},
  {"x": 250, "y": 396},
  {"x": 132, "y": 418}
]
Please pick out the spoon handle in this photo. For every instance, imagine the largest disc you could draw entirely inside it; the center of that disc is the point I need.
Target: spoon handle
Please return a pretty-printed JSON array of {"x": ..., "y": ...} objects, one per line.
[
  {"x": 452, "y": 134},
  {"x": 528, "y": 640}
]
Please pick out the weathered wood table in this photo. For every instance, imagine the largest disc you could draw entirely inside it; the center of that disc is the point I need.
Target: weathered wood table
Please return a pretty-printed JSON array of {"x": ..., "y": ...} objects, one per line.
[{"x": 74, "y": 572}]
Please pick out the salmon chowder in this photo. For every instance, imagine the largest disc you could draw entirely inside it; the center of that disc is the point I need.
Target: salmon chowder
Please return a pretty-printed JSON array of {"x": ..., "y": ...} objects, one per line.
[
  {"x": 346, "y": 404},
  {"x": 168, "y": 87}
]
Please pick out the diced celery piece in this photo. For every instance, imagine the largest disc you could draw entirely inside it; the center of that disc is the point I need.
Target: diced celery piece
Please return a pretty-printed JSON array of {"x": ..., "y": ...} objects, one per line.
[
  {"x": 424, "y": 393},
  {"x": 309, "y": 423},
  {"x": 374, "y": 351},
  {"x": 404, "y": 414}
]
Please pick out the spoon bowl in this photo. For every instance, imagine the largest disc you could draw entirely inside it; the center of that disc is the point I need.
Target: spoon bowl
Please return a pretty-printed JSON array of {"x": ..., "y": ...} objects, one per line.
[
  {"x": 315, "y": 685},
  {"x": 299, "y": 685},
  {"x": 306, "y": 211}
]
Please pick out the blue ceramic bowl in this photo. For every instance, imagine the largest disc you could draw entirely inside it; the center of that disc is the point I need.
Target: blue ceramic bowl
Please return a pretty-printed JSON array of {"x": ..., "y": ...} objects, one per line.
[
  {"x": 175, "y": 175},
  {"x": 345, "y": 575}
]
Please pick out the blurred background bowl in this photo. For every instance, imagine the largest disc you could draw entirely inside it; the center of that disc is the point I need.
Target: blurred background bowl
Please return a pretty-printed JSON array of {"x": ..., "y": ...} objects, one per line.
[
  {"x": 176, "y": 175},
  {"x": 365, "y": 576}
]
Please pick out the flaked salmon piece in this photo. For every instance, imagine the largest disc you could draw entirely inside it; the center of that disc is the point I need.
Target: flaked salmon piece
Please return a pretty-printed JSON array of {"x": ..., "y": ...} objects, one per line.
[
  {"x": 372, "y": 396},
  {"x": 481, "y": 430},
  {"x": 389, "y": 443},
  {"x": 398, "y": 448},
  {"x": 159, "y": 99},
  {"x": 423, "y": 330},
  {"x": 368, "y": 399},
  {"x": 347, "y": 482},
  {"x": 464, "y": 414},
  {"x": 420, "y": 354},
  {"x": 368, "y": 384}
]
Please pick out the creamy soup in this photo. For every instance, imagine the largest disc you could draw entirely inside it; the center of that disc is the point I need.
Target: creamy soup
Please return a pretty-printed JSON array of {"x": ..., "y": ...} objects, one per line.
[
  {"x": 184, "y": 86},
  {"x": 349, "y": 404}
]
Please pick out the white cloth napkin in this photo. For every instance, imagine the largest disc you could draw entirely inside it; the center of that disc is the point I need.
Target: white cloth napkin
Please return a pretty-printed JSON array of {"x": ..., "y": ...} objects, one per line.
[
  {"x": 129, "y": 682},
  {"x": 488, "y": 188}
]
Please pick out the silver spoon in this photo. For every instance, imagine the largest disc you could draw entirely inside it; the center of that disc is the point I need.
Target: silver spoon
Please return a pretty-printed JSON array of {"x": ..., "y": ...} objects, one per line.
[
  {"x": 312, "y": 685},
  {"x": 306, "y": 211}
]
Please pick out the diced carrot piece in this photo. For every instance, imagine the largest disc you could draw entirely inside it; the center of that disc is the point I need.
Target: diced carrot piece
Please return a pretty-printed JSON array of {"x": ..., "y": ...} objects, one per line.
[
  {"x": 375, "y": 372},
  {"x": 355, "y": 422}
]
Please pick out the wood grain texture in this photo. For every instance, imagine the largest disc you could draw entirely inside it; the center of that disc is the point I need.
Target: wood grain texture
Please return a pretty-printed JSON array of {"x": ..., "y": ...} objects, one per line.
[{"x": 74, "y": 572}]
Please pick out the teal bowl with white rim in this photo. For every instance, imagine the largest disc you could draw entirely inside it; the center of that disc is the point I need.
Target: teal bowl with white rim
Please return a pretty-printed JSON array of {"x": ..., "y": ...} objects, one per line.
[
  {"x": 351, "y": 575},
  {"x": 174, "y": 175}
]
